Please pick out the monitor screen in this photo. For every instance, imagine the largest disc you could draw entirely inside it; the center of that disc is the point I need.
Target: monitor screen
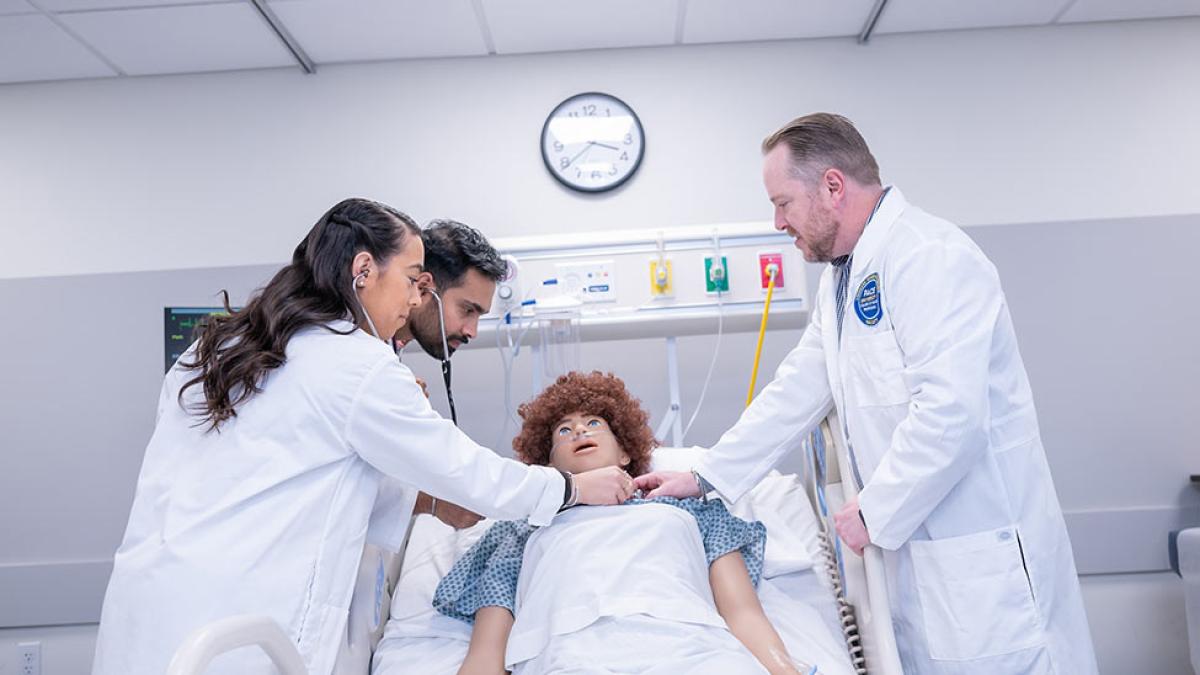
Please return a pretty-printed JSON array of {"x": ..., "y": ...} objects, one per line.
[{"x": 179, "y": 328}]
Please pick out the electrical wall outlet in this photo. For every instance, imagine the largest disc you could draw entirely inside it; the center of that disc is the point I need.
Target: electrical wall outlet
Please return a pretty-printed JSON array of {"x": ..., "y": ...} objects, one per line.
[{"x": 29, "y": 658}]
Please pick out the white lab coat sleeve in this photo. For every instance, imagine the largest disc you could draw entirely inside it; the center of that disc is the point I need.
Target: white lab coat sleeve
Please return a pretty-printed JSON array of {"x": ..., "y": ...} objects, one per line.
[
  {"x": 944, "y": 302},
  {"x": 392, "y": 426},
  {"x": 787, "y": 409}
]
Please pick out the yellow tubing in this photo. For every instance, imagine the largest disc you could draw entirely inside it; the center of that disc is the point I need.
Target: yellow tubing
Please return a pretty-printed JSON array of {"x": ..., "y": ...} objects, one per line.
[{"x": 762, "y": 331}]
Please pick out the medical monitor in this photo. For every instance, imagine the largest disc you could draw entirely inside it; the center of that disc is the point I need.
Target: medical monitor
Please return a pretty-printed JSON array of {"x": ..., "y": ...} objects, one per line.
[{"x": 179, "y": 328}]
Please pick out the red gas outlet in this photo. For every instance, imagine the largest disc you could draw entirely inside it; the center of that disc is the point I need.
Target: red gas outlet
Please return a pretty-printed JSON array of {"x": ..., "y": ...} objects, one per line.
[{"x": 765, "y": 259}]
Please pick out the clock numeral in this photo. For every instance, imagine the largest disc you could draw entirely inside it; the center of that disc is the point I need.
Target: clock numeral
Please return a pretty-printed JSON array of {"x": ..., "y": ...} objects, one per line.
[
  {"x": 629, "y": 139},
  {"x": 564, "y": 162},
  {"x": 578, "y": 173},
  {"x": 596, "y": 175},
  {"x": 558, "y": 146},
  {"x": 589, "y": 109},
  {"x": 625, "y": 156},
  {"x": 613, "y": 171},
  {"x": 608, "y": 112}
]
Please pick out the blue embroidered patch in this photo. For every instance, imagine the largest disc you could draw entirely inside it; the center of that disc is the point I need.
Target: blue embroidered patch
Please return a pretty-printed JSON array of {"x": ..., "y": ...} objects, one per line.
[{"x": 868, "y": 301}]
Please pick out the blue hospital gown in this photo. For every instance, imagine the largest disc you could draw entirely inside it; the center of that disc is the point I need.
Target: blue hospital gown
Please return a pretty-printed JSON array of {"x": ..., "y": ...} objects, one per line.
[{"x": 486, "y": 576}]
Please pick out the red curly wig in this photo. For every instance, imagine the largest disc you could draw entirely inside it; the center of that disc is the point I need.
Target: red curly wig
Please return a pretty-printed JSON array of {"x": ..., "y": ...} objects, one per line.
[{"x": 595, "y": 393}]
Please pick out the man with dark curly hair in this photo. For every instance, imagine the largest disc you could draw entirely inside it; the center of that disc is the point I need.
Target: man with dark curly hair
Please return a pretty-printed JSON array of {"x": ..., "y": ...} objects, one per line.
[{"x": 603, "y": 576}]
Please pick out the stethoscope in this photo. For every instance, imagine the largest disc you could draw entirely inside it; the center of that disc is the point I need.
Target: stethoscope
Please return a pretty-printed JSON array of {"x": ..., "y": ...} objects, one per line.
[
  {"x": 445, "y": 354},
  {"x": 357, "y": 283}
]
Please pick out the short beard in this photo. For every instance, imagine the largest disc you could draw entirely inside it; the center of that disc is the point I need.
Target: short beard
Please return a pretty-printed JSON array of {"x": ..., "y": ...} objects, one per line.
[
  {"x": 825, "y": 227},
  {"x": 426, "y": 329}
]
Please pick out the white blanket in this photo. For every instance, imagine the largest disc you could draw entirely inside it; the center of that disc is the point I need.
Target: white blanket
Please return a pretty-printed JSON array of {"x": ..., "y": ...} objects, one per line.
[
  {"x": 795, "y": 597},
  {"x": 610, "y": 561}
]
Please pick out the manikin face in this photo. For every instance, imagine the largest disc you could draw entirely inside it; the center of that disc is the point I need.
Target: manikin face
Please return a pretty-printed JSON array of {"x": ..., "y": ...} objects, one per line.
[
  {"x": 464, "y": 304},
  {"x": 389, "y": 292},
  {"x": 582, "y": 442},
  {"x": 800, "y": 208}
]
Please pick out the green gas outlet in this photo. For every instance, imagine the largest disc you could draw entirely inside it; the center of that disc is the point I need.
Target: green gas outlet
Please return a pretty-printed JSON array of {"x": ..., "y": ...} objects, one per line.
[{"x": 716, "y": 278}]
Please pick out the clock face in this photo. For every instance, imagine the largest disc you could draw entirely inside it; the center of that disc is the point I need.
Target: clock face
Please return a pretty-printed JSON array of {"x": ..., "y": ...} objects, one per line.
[{"x": 592, "y": 142}]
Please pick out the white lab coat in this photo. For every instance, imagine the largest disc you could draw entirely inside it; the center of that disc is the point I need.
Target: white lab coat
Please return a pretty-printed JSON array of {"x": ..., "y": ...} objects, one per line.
[
  {"x": 939, "y": 415},
  {"x": 269, "y": 515}
]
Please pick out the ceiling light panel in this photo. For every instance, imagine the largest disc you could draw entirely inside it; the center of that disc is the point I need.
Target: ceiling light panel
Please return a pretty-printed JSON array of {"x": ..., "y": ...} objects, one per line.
[
  {"x": 523, "y": 26},
  {"x": 182, "y": 39},
  {"x": 909, "y": 16},
  {"x": 94, "y": 5},
  {"x": 738, "y": 21},
  {"x": 33, "y": 48},
  {"x": 1112, "y": 10},
  {"x": 16, "y": 7},
  {"x": 371, "y": 30}
]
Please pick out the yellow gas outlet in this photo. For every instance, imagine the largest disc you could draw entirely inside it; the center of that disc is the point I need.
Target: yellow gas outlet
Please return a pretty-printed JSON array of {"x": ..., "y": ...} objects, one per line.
[{"x": 662, "y": 278}]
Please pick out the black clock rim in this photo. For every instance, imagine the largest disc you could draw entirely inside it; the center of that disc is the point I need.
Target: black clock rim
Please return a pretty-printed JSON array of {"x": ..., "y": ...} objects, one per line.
[{"x": 550, "y": 169}]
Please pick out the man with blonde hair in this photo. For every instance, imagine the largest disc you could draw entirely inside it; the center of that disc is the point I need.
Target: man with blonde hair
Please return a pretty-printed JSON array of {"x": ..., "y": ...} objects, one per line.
[{"x": 912, "y": 343}]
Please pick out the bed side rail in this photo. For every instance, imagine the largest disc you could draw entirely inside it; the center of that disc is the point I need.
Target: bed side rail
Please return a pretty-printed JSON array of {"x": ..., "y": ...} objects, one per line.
[{"x": 210, "y": 641}]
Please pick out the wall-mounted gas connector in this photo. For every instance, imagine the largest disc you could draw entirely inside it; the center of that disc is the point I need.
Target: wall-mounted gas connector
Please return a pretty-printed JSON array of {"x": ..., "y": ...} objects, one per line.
[
  {"x": 716, "y": 274},
  {"x": 765, "y": 260},
  {"x": 662, "y": 278}
]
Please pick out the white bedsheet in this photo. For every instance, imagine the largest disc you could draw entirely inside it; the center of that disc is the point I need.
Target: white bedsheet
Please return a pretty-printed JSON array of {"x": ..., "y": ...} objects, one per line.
[
  {"x": 795, "y": 595},
  {"x": 799, "y": 605}
]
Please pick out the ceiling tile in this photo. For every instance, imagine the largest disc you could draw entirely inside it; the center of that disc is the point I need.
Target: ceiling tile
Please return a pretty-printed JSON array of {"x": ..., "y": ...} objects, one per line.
[
  {"x": 368, "y": 30},
  {"x": 33, "y": 48},
  {"x": 92, "y": 5},
  {"x": 732, "y": 21},
  {"x": 925, "y": 15},
  {"x": 185, "y": 39},
  {"x": 520, "y": 26},
  {"x": 1110, "y": 10},
  {"x": 16, "y": 7}
]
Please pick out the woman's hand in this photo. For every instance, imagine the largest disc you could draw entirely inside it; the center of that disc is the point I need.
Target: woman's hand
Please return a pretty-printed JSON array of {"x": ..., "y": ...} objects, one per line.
[
  {"x": 606, "y": 485},
  {"x": 678, "y": 484}
]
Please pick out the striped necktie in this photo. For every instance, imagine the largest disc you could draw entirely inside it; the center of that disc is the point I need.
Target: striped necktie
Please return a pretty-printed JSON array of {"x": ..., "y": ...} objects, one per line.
[{"x": 841, "y": 267}]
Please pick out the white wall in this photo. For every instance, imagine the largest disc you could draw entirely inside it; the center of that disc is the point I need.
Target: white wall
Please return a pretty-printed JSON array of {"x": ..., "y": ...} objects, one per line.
[{"x": 994, "y": 126}]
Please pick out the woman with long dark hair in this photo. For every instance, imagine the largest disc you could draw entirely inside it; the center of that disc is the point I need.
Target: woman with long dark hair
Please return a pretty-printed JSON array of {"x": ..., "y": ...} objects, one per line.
[{"x": 273, "y": 433}]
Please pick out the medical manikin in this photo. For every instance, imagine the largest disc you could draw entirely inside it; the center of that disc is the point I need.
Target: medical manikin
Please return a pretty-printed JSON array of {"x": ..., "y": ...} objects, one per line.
[{"x": 696, "y": 599}]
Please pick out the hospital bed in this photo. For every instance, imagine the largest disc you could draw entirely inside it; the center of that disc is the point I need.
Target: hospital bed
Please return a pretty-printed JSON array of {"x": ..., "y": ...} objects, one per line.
[{"x": 830, "y": 607}]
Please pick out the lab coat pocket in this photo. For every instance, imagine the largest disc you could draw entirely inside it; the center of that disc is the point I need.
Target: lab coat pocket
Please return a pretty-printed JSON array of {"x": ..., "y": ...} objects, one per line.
[
  {"x": 976, "y": 599},
  {"x": 876, "y": 368}
]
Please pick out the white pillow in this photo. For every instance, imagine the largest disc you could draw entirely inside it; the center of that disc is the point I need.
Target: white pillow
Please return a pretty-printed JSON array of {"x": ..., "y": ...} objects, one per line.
[
  {"x": 779, "y": 502},
  {"x": 432, "y": 549}
]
